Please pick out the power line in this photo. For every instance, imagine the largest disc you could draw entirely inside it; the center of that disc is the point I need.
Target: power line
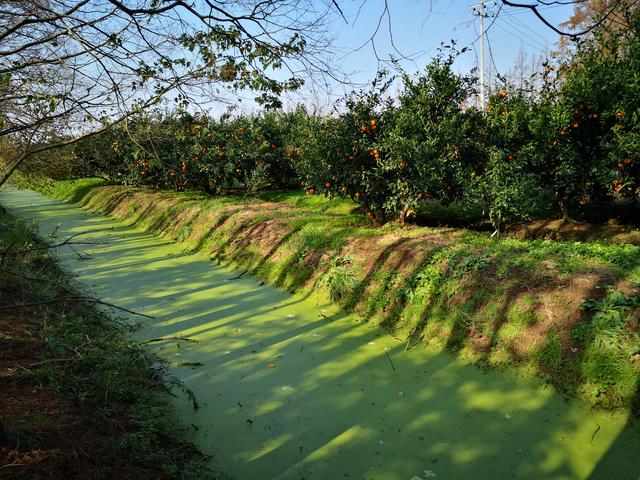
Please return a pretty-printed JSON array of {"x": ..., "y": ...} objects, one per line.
[
  {"x": 536, "y": 47},
  {"x": 518, "y": 25},
  {"x": 491, "y": 56},
  {"x": 520, "y": 11}
]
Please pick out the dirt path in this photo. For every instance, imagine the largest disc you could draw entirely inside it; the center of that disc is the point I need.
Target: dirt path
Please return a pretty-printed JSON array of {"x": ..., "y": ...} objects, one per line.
[{"x": 286, "y": 393}]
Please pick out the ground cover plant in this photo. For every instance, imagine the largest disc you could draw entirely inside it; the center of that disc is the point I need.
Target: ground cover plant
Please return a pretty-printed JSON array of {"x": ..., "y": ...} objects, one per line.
[
  {"x": 78, "y": 397},
  {"x": 566, "y": 310}
]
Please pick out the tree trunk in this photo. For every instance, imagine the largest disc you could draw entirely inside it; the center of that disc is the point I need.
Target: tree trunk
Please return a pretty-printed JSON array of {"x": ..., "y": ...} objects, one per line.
[
  {"x": 12, "y": 169},
  {"x": 496, "y": 233},
  {"x": 565, "y": 211},
  {"x": 206, "y": 186}
]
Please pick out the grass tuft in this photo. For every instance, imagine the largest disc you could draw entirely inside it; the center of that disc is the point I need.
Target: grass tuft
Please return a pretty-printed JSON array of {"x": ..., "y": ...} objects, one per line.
[{"x": 339, "y": 279}]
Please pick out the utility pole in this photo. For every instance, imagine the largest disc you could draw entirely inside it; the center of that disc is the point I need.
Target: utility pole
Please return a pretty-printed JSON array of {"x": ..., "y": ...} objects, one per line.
[{"x": 478, "y": 10}]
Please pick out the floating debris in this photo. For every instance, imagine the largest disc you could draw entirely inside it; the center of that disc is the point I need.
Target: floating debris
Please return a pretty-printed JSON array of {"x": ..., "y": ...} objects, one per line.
[{"x": 189, "y": 364}]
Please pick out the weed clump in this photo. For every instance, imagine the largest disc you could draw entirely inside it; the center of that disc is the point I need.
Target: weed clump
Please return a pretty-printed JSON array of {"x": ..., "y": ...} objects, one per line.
[{"x": 339, "y": 279}]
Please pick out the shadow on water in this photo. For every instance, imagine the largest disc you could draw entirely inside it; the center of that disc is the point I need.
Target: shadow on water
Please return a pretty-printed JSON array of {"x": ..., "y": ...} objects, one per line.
[{"x": 284, "y": 393}]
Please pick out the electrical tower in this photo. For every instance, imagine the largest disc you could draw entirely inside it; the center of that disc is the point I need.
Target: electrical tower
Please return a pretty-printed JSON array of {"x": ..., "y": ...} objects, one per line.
[{"x": 478, "y": 10}]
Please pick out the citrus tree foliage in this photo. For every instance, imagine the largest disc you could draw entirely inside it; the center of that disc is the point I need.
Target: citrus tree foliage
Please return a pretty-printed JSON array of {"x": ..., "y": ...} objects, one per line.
[
  {"x": 601, "y": 93},
  {"x": 570, "y": 141},
  {"x": 180, "y": 151},
  {"x": 432, "y": 146},
  {"x": 509, "y": 185},
  {"x": 339, "y": 155}
]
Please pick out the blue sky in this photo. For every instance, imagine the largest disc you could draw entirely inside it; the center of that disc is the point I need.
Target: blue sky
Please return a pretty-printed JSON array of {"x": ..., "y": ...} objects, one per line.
[{"x": 419, "y": 26}]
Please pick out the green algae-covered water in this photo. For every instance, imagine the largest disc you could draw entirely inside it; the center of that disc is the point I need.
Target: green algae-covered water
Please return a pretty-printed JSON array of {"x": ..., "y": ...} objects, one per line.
[{"x": 285, "y": 393}]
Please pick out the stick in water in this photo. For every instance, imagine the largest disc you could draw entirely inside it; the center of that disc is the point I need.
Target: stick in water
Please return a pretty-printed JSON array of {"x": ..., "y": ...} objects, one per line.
[
  {"x": 390, "y": 361},
  {"x": 235, "y": 278}
]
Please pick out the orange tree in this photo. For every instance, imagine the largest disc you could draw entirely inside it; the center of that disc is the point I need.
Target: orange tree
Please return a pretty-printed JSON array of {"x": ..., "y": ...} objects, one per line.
[
  {"x": 225, "y": 151},
  {"x": 102, "y": 156},
  {"x": 159, "y": 148},
  {"x": 507, "y": 187},
  {"x": 271, "y": 133},
  {"x": 147, "y": 149},
  {"x": 621, "y": 174},
  {"x": 600, "y": 99},
  {"x": 338, "y": 155},
  {"x": 236, "y": 153},
  {"x": 433, "y": 144},
  {"x": 181, "y": 151}
]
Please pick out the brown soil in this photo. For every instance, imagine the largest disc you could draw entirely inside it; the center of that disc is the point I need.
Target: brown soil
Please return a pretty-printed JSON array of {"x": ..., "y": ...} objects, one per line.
[
  {"x": 43, "y": 435},
  {"x": 574, "y": 231}
]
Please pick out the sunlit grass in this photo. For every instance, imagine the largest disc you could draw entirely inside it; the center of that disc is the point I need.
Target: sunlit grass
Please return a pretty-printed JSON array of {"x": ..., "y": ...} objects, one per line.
[{"x": 465, "y": 295}]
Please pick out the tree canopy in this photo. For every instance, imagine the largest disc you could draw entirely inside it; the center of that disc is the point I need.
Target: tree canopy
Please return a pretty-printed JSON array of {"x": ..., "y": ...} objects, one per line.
[{"x": 74, "y": 67}]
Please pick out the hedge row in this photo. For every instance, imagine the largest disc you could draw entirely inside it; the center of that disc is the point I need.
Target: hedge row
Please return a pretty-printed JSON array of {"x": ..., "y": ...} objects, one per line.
[{"x": 573, "y": 141}]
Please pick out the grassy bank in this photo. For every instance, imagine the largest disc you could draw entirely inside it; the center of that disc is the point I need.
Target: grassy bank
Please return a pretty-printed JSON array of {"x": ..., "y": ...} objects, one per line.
[
  {"x": 78, "y": 398},
  {"x": 565, "y": 310}
]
